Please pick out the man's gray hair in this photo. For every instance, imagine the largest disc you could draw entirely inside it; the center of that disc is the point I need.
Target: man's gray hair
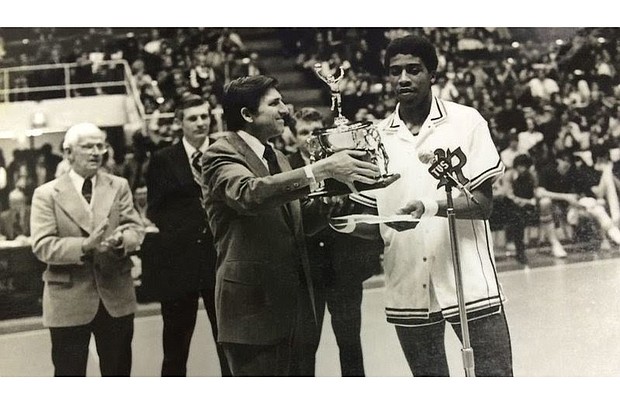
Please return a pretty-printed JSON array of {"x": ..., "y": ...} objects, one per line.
[{"x": 81, "y": 129}]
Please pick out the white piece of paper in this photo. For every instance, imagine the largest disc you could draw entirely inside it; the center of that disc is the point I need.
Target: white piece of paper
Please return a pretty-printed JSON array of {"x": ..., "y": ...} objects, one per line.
[{"x": 371, "y": 219}]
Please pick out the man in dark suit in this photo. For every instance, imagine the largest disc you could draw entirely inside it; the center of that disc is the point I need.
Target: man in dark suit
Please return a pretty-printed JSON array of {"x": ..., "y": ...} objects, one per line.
[
  {"x": 186, "y": 254},
  {"x": 84, "y": 227},
  {"x": 263, "y": 282},
  {"x": 339, "y": 264}
]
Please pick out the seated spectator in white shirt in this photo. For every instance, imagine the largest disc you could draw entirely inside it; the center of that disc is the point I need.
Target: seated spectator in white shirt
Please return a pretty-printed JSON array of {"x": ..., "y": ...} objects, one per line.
[{"x": 529, "y": 137}]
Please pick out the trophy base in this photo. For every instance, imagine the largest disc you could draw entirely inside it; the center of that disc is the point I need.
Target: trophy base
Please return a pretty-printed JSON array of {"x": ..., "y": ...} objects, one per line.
[{"x": 335, "y": 188}]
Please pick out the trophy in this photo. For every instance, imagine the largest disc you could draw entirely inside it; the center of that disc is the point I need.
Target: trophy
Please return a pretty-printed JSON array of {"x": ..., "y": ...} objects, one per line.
[{"x": 345, "y": 135}]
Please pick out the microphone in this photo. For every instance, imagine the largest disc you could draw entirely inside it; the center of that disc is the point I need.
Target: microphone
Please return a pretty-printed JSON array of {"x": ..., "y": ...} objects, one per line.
[{"x": 440, "y": 168}]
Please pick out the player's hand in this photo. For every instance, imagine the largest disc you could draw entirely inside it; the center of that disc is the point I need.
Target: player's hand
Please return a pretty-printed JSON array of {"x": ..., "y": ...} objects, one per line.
[{"x": 415, "y": 209}]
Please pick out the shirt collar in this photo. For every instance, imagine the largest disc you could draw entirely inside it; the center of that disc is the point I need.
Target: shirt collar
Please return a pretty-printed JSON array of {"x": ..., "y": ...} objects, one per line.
[
  {"x": 78, "y": 182},
  {"x": 190, "y": 150},
  {"x": 438, "y": 114},
  {"x": 256, "y": 145}
]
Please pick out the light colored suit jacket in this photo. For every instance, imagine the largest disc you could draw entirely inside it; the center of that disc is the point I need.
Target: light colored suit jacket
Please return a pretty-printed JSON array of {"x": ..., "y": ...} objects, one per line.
[
  {"x": 74, "y": 284},
  {"x": 261, "y": 254}
]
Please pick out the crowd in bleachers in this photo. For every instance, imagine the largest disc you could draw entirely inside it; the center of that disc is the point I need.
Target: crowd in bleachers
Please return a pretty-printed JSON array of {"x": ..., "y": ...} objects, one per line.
[
  {"x": 542, "y": 98},
  {"x": 553, "y": 104}
]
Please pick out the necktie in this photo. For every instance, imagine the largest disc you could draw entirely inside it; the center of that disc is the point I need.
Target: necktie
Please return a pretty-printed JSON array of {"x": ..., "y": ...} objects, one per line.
[
  {"x": 274, "y": 168},
  {"x": 197, "y": 165},
  {"x": 87, "y": 189},
  {"x": 272, "y": 161}
]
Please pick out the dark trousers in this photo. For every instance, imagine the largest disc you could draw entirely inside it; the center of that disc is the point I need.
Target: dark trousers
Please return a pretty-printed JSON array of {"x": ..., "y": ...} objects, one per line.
[
  {"x": 344, "y": 302},
  {"x": 179, "y": 316},
  {"x": 273, "y": 360},
  {"x": 249, "y": 360},
  {"x": 425, "y": 351},
  {"x": 113, "y": 336}
]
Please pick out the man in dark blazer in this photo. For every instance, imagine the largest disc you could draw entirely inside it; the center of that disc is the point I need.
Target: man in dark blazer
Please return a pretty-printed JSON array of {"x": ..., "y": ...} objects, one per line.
[
  {"x": 84, "y": 227},
  {"x": 185, "y": 253},
  {"x": 339, "y": 264},
  {"x": 263, "y": 282}
]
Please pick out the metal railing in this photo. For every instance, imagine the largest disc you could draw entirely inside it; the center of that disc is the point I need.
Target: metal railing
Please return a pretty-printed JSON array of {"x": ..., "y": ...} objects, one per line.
[{"x": 12, "y": 88}]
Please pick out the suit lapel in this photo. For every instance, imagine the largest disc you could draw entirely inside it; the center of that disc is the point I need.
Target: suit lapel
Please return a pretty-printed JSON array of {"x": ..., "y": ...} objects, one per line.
[
  {"x": 292, "y": 211},
  {"x": 104, "y": 197},
  {"x": 180, "y": 164},
  {"x": 254, "y": 162},
  {"x": 71, "y": 202}
]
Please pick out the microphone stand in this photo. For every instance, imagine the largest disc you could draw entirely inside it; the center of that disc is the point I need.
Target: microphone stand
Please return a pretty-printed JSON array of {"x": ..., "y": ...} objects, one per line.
[{"x": 467, "y": 352}]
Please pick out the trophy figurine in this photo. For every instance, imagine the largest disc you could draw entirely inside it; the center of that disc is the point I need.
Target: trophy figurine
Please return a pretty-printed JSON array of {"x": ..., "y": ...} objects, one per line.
[{"x": 346, "y": 135}]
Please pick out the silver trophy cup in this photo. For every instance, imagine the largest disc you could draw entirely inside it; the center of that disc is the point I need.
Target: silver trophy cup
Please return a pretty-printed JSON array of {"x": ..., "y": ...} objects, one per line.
[{"x": 346, "y": 135}]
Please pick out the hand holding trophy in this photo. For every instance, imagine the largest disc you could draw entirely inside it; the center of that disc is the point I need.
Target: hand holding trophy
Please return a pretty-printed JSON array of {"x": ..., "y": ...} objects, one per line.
[{"x": 346, "y": 135}]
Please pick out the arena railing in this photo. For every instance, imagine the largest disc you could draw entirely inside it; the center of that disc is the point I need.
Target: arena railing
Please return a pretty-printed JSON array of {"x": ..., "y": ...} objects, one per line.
[{"x": 10, "y": 93}]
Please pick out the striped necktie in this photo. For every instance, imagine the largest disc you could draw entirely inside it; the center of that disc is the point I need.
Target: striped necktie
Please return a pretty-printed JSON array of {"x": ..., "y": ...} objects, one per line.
[{"x": 197, "y": 166}]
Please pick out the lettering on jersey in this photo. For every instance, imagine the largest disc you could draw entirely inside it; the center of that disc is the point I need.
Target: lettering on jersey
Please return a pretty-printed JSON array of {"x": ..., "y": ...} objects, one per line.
[{"x": 457, "y": 159}]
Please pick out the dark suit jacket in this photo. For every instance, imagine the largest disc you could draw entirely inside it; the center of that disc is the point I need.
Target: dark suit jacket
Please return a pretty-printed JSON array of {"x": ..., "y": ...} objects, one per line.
[
  {"x": 184, "y": 253},
  {"x": 74, "y": 285},
  {"x": 336, "y": 259},
  {"x": 262, "y": 259}
]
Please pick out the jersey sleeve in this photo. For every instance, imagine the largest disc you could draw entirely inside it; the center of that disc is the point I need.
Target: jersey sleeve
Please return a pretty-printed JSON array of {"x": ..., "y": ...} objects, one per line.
[
  {"x": 366, "y": 198},
  {"x": 483, "y": 162}
]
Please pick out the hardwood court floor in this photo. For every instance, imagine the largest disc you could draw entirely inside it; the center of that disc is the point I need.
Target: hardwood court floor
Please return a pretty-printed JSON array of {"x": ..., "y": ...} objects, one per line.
[{"x": 564, "y": 319}]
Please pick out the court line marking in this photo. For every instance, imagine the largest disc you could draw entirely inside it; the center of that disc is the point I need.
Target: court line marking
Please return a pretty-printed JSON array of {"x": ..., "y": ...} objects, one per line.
[{"x": 540, "y": 269}]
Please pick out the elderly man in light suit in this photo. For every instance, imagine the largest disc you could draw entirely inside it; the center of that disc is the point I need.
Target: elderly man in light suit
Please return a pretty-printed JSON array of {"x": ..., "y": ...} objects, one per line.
[{"x": 84, "y": 227}]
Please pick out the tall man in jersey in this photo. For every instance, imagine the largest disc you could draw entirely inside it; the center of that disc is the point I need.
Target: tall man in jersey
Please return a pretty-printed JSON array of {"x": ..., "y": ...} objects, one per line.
[{"x": 420, "y": 284}]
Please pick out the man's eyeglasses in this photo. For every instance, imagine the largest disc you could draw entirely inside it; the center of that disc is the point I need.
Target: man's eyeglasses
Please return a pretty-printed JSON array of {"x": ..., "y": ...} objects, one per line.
[
  {"x": 94, "y": 148},
  {"x": 412, "y": 69}
]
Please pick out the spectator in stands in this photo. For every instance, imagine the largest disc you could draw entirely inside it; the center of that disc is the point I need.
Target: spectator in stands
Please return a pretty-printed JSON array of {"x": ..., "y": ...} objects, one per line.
[
  {"x": 15, "y": 221},
  {"x": 201, "y": 73},
  {"x": 570, "y": 136},
  {"x": 598, "y": 193},
  {"x": 510, "y": 116},
  {"x": 508, "y": 154},
  {"x": 444, "y": 88},
  {"x": 140, "y": 201},
  {"x": 555, "y": 195},
  {"x": 229, "y": 42},
  {"x": 521, "y": 183},
  {"x": 4, "y": 183},
  {"x": 530, "y": 137},
  {"x": 542, "y": 86},
  {"x": 248, "y": 66},
  {"x": 548, "y": 125},
  {"x": 21, "y": 175},
  {"x": 63, "y": 166}
]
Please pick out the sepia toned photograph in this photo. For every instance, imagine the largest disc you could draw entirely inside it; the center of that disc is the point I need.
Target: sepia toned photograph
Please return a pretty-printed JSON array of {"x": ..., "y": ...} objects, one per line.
[{"x": 309, "y": 202}]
